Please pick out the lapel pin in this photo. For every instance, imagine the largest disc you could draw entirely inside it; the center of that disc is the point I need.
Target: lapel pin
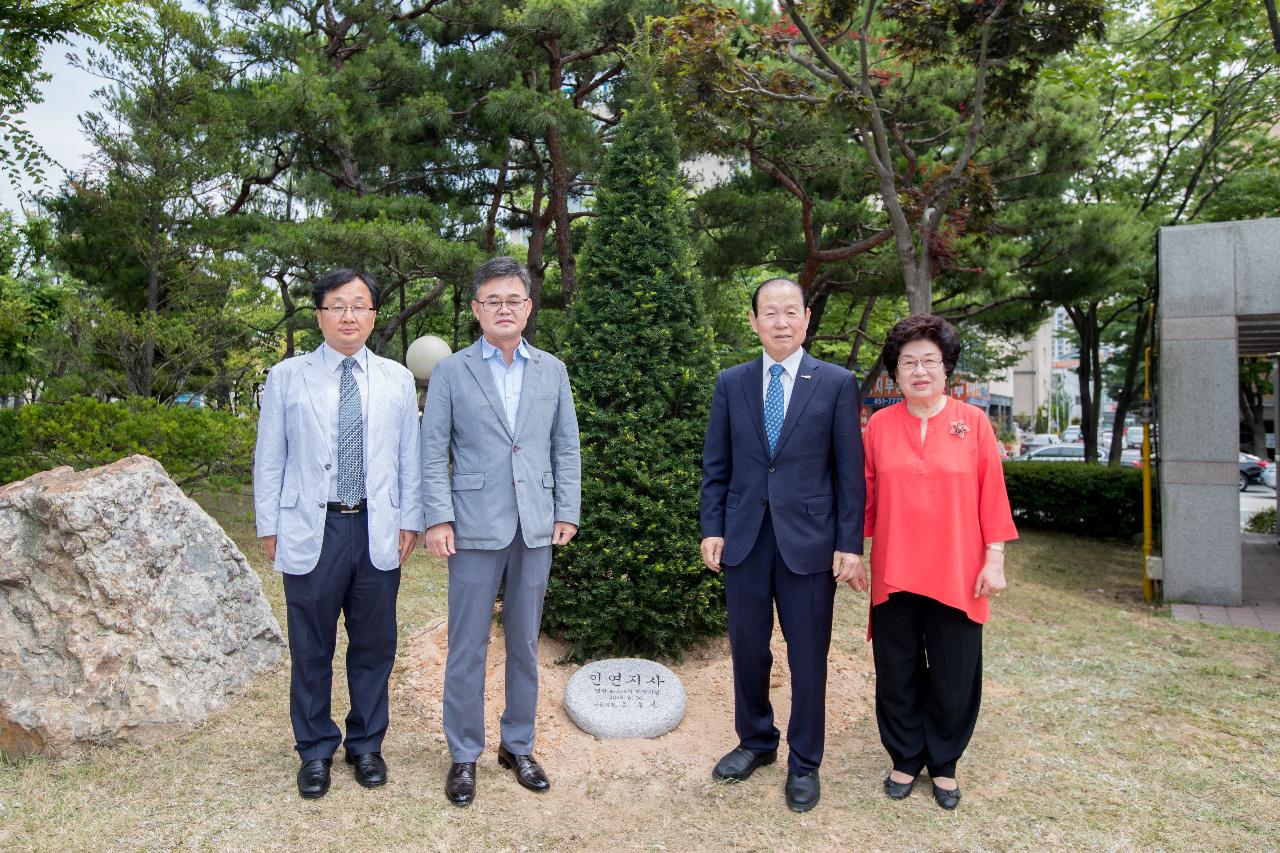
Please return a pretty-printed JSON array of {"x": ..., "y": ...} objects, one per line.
[{"x": 806, "y": 375}]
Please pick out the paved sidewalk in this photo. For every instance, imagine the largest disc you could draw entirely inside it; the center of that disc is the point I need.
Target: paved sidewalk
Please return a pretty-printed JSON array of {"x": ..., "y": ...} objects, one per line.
[{"x": 1260, "y": 582}]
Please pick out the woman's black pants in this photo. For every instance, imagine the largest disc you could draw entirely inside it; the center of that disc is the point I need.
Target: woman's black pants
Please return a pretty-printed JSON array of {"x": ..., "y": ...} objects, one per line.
[{"x": 928, "y": 681}]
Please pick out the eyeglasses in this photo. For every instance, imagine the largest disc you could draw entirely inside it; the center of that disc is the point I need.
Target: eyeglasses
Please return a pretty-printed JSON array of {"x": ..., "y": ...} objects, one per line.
[
  {"x": 929, "y": 362},
  {"x": 512, "y": 305},
  {"x": 336, "y": 311}
]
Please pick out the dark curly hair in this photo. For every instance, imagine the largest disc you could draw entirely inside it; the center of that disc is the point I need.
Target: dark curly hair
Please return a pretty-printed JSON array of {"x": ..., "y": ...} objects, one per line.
[{"x": 922, "y": 327}]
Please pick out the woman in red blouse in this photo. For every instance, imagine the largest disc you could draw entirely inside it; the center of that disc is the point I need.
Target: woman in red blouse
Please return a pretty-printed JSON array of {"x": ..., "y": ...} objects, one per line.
[{"x": 938, "y": 516}]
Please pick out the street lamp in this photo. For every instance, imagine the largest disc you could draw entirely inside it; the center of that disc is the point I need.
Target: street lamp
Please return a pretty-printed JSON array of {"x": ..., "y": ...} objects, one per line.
[{"x": 421, "y": 358}]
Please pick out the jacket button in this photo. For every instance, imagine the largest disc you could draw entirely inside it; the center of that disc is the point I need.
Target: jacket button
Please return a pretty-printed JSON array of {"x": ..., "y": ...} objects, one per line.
[
  {"x": 770, "y": 469},
  {"x": 515, "y": 449},
  {"x": 764, "y": 502},
  {"x": 327, "y": 467},
  {"x": 320, "y": 505}
]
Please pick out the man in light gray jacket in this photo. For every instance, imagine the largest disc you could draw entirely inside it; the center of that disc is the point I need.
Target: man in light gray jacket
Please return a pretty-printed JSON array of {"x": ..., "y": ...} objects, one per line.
[
  {"x": 503, "y": 412},
  {"x": 336, "y": 495}
]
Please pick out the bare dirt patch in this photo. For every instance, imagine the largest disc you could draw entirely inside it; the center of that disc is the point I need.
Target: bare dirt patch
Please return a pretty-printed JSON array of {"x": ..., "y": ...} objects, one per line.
[{"x": 689, "y": 751}]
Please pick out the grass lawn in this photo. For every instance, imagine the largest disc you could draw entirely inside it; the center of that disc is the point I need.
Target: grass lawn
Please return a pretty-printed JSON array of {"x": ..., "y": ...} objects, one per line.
[{"x": 1105, "y": 726}]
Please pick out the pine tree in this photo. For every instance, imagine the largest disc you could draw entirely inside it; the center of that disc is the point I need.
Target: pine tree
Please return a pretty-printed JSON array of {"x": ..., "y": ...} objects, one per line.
[{"x": 639, "y": 354}]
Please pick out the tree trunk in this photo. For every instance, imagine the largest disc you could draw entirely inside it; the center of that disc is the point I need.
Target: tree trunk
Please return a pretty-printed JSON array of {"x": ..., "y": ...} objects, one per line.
[
  {"x": 146, "y": 374},
  {"x": 287, "y": 299},
  {"x": 860, "y": 334},
  {"x": 558, "y": 200},
  {"x": 535, "y": 258},
  {"x": 491, "y": 222},
  {"x": 458, "y": 289},
  {"x": 1129, "y": 391},
  {"x": 919, "y": 283},
  {"x": 817, "y": 307},
  {"x": 404, "y": 327},
  {"x": 1095, "y": 356},
  {"x": 1086, "y": 323}
]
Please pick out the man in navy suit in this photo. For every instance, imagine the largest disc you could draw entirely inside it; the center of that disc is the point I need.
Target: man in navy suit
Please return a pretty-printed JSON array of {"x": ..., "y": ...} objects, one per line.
[
  {"x": 336, "y": 492},
  {"x": 782, "y": 509}
]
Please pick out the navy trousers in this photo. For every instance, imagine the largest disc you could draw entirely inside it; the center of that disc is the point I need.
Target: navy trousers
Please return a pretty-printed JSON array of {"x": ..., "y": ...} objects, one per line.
[
  {"x": 805, "y": 604},
  {"x": 343, "y": 581},
  {"x": 928, "y": 681}
]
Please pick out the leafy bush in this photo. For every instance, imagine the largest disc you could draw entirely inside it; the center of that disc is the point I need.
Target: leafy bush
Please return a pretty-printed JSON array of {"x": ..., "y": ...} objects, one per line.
[
  {"x": 191, "y": 444},
  {"x": 1091, "y": 500},
  {"x": 1262, "y": 521},
  {"x": 640, "y": 358},
  {"x": 16, "y": 460}
]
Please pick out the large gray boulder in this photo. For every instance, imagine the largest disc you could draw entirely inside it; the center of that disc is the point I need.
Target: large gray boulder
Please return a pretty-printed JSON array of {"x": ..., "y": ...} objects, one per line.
[{"x": 126, "y": 613}]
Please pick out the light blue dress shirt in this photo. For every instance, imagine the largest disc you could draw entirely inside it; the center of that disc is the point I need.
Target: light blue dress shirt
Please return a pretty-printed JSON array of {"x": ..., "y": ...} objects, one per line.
[
  {"x": 333, "y": 367},
  {"x": 507, "y": 379},
  {"x": 790, "y": 366}
]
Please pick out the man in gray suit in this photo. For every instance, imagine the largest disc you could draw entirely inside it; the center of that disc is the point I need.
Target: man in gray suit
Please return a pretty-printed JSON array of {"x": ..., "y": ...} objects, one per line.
[{"x": 504, "y": 413}]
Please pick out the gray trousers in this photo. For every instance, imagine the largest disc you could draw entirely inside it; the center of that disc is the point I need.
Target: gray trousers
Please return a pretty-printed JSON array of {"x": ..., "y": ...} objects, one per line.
[{"x": 474, "y": 577}]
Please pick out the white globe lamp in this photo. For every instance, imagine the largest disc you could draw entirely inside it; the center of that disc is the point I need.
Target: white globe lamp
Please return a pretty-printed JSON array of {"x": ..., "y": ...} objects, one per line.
[{"x": 423, "y": 355}]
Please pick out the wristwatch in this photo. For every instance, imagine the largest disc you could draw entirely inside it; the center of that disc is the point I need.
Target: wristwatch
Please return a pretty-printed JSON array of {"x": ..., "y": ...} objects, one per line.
[{"x": 996, "y": 546}]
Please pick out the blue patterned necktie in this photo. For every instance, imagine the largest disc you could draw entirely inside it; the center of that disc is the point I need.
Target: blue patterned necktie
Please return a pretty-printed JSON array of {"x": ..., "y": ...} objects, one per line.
[
  {"x": 773, "y": 411},
  {"x": 350, "y": 438}
]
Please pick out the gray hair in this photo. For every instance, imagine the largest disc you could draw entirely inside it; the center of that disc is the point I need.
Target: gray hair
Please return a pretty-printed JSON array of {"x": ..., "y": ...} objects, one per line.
[{"x": 500, "y": 267}]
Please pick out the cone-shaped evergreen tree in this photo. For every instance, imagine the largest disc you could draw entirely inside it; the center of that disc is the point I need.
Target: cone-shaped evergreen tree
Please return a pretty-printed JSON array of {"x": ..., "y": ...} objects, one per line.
[{"x": 639, "y": 354}]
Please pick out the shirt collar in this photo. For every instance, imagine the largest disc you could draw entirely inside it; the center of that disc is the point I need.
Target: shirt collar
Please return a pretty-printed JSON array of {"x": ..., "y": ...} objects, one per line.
[
  {"x": 333, "y": 359},
  {"x": 488, "y": 350},
  {"x": 791, "y": 364}
]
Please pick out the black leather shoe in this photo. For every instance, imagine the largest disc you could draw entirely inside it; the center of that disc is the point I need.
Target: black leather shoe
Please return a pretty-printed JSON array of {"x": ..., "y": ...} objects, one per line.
[
  {"x": 371, "y": 770},
  {"x": 803, "y": 792},
  {"x": 528, "y": 773},
  {"x": 898, "y": 790},
  {"x": 460, "y": 784},
  {"x": 739, "y": 764},
  {"x": 947, "y": 799},
  {"x": 313, "y": 778}
]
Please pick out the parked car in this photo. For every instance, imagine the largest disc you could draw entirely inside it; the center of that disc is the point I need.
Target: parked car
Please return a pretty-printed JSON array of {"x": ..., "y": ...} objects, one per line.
[
  {"x": 1072, "y": 435},
  {"x": 1251, "y": 468},
  {"x": 1039, "y": 439},
  {"x": 1269, "y": 476},
  {"x": 1131, "y": 458},
  {"x": 1133, "y": 437},
  {"x": 1056, "y": 453}
]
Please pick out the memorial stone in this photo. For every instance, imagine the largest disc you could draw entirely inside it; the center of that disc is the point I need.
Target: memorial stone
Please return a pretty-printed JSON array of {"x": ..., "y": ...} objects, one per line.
[{"x": 625, "y": 698}]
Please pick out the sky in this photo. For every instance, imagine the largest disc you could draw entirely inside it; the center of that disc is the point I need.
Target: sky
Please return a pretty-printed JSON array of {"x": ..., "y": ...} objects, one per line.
[{"x": 54, "y": 122}]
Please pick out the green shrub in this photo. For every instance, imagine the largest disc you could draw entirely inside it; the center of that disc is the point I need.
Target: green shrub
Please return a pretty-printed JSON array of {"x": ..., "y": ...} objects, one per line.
[
  {"x": 1091, "y": 500},
  {"x": 640, "y": 358},
  {"x": 16, "y": 459},
  {"x": 1262, "y": 521},
  {"x": 191, "y": 444}
]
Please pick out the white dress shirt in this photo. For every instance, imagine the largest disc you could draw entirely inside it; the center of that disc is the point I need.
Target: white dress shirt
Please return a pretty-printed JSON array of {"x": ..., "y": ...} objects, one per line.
[
  {"x": 333, "y": 363},
  {"x": 790, "y": 366},
  {"x": 507, "y": 379}
]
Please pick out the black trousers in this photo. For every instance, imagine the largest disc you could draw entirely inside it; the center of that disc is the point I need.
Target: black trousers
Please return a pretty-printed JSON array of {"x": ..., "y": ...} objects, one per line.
[
  {"x": 928, "y": 660},
  {"x": 805, "y": 604},
  {"x": 343, "y": 581}
]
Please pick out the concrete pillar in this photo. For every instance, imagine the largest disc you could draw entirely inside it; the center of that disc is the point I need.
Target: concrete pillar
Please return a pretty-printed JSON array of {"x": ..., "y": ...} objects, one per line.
[{"x": 1198, "y": 416}]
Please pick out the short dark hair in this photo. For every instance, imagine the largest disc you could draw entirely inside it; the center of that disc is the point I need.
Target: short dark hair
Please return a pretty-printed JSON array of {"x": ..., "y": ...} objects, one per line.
[
  {"x": 755, "y": 296},
  {"x": 334, "y": 279},
  {"x": 922, "y": 327},
  {"x": 500, "y": 267}
]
